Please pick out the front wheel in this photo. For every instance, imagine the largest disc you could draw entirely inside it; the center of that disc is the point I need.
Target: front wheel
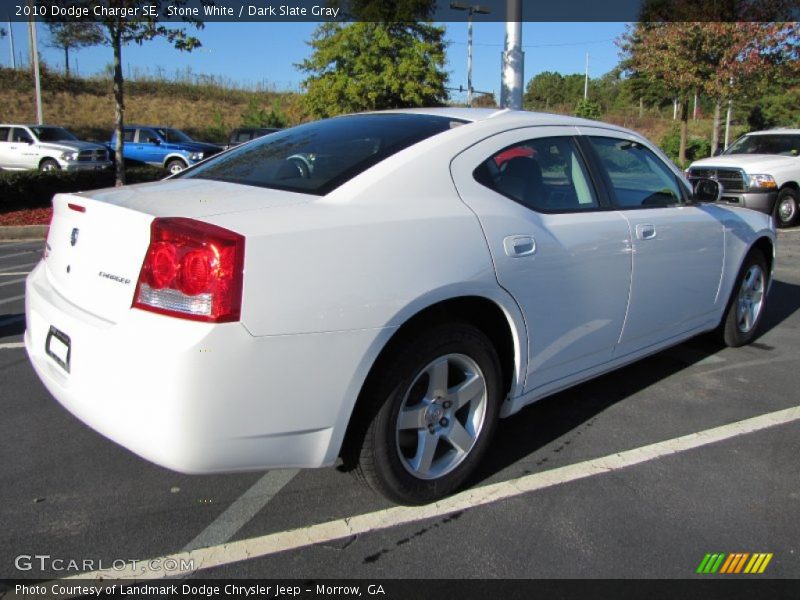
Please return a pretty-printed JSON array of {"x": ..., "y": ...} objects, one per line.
[
  {"x": 175, "y": 165},
  {"x": 786, "y": 210},
  {"x": 746, "y": 306},
  {"x": 438, "y": 397},
  {"x": 49, "y": 165}
]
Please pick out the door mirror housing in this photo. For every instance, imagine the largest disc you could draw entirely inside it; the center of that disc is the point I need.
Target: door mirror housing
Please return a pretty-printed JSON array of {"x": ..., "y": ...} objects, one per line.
[{"x": 707, "y": 190}]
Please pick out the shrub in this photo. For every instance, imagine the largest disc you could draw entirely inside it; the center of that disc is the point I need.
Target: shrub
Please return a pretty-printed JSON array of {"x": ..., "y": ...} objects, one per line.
[
  {"x": 696, "y": 147},
  {"x": 33, "y": 189},
  {"x": 588, "y": 109}
]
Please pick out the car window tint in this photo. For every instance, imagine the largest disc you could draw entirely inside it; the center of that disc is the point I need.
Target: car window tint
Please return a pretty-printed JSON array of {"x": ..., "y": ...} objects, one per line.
[
  {"x": 639, "y": 178},
  {"x": 544, "y": 174},
  {"x": 4, "y": 131},
  {"x": 318, "y": 157},
  {"x": 146, "y": 136},
  {"x": 19, "y": 135},
  {"x": 244, "y": 136},
  {"x": 128, "y": 135}
]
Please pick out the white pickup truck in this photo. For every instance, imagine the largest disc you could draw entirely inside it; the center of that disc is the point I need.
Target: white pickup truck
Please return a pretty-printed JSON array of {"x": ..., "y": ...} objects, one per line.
[
  {"x": 761, "y": 170},
  {"x": 48, "y": 148}
]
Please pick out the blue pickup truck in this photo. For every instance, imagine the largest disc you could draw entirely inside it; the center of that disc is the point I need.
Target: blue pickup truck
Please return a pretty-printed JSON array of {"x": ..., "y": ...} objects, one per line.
[{"x": 162, "y": 146}]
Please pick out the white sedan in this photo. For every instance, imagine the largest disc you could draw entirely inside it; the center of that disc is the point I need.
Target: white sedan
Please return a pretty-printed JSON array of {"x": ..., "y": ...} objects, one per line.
[{"x": 381, "y": 288}]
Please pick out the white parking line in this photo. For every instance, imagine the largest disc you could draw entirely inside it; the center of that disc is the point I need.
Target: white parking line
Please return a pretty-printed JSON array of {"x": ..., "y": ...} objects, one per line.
[
  {"x": 12, "y": 345},
  {"x": 247, "y": 506},
  {"x": 12, "y": 299},
  {"x": 225, "y": 554},
  {"x": 7, "y": 269},
  {"x": 2, "y": 256},
  {"x": 10, "y": 281}
]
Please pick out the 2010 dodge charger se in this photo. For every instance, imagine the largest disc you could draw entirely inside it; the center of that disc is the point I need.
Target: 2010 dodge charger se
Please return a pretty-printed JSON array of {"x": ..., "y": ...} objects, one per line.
[{"x": 381, "y": 288}]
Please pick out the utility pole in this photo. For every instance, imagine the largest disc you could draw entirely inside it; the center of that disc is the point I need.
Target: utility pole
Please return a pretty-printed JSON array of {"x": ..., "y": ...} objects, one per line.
[
  {"x": 471, "y": 10},
  {"x": 513, "y": 58},
  {"x": 11, "y": 44},
  {"x": 35, "y": 58},
  {"x": 586, "y": 80},
  {"x": 728, "y": 123}
]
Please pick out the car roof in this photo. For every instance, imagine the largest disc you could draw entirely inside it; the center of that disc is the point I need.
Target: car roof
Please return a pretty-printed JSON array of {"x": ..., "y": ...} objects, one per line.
[
  {"x": 520, "y": 118},
  {"x": 776, "y": 130}
]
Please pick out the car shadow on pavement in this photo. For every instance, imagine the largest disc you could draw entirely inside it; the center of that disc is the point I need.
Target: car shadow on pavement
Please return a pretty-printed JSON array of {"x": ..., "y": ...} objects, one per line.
[
  {"x": 12, "y": 324},
  {"x": 552, "y": 418}
]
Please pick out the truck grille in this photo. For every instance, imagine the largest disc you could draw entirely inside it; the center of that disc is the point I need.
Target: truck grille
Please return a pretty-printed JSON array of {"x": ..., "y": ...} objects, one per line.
[
  {"x": 92, "y": 155},
  {"x": 731, "y": 180}
]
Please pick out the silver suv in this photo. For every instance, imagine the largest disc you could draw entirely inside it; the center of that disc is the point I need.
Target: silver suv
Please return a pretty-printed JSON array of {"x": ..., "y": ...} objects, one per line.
[{"x": 48, "y": 148}]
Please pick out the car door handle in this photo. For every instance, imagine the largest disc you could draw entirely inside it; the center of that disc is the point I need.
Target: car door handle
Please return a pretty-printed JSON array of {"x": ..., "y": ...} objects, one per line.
[
  {"x": 517, "y": 246},
  {"x": 645, "y": 231}
]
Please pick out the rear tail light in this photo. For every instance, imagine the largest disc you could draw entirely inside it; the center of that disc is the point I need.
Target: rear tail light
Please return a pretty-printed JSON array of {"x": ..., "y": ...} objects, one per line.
[{"x": 192, "y": 270}]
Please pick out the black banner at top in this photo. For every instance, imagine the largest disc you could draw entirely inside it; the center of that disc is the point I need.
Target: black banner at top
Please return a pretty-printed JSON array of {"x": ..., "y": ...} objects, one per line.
[{"x": 276, "y": 11}]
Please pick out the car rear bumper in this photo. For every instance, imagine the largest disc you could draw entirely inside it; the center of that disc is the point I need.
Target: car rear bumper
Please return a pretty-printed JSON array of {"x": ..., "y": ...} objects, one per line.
[
  {"x": 760, "y": 201},
  {"x": 197, "y": 397}
]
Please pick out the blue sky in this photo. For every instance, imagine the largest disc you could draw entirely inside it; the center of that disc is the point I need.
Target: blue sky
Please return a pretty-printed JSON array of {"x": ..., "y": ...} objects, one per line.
[{"x": 253, "y": 53}]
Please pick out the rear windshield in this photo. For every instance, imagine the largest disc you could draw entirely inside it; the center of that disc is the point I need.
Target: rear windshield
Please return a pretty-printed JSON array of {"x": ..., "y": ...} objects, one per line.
[
  {"x": 786, "y": 144},
  {"x": 318, "y": 157}
]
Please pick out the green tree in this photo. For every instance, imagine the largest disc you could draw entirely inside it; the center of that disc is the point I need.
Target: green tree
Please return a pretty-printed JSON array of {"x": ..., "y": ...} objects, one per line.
[
  {"x": 255, "y": 115},
  {"x": 74, "y": 35},
  {"x": 484, "y": 101},
  {"x": 588, "y": 109},
  {"x": 119, "y": 31},
  {"x": 373, "y": 66}
]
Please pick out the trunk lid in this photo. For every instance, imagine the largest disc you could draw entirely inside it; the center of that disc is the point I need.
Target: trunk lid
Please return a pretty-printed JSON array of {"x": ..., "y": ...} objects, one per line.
[{"x": 98, "y": 240}]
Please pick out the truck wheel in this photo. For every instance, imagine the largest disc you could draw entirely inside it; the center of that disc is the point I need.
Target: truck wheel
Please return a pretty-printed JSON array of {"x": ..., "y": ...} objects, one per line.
[
  {"x": 49, "y": 165},
  {"x": 176, "y": 165},
  {"x": 786, "y": 208}
]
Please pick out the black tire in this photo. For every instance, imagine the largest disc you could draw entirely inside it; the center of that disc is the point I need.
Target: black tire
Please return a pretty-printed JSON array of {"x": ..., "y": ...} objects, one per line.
[
  {"x": 175, "y": 165},
  {"x": 49, "y": 165},
  {"x": 739, "y": 326},
  {"x": 786, "y": 208},
  {"x": 408, "y": 380}
]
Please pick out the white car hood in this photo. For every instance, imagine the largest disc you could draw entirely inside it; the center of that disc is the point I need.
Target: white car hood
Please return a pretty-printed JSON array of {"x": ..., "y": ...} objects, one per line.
[
  {"x": 751, "y": 163},
  {"x": 67, "y": 146}
]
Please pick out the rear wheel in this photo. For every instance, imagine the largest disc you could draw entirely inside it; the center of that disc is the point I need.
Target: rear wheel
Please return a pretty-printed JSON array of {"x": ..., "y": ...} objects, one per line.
[
  {"x": 49, "y": 165},
  {"x": 786, "y": 210},
  {"x": 746, "y": 305},
  {"x": 437, "y": 399},
  {"x": 176, "y": 165}
]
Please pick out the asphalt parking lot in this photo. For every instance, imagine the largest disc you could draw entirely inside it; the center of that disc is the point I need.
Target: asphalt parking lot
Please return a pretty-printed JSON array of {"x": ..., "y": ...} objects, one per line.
[{"x": 604, "y": 481}]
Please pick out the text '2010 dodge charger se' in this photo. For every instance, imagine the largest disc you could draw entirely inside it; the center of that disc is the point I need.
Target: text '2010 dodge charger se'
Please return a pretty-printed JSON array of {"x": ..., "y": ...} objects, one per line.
[{"x": 381, "y": 288}]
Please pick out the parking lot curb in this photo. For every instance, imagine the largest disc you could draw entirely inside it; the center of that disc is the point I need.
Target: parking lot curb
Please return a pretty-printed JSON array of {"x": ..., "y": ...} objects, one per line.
[{"x": 23, "y": 232}]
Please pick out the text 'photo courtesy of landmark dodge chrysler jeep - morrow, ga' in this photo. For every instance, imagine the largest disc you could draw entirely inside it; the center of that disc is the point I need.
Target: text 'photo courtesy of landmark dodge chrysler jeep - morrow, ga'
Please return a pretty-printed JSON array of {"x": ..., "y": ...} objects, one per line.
[
  {"x": 760, "y": 170},
  {"x": 381, "y": 288},
  {"x": 162, "y": 147},
  {"x": 48, "y": 148}
]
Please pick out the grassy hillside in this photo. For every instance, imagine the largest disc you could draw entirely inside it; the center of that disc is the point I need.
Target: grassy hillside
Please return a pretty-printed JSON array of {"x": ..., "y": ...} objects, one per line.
[
  {"x": 209, "y": 107},
  {"x": 204, "y": 107}
]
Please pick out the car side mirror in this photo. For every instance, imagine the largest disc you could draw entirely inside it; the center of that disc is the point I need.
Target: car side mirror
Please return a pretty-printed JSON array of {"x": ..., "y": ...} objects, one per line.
[{"x": 707, "y": 190}]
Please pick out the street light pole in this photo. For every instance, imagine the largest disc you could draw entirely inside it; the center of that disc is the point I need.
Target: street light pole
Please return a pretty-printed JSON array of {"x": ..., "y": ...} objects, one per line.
[{"x": 471, "y": 10}]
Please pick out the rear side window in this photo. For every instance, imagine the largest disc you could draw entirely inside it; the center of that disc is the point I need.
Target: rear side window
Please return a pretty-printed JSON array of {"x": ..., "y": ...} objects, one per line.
[
  {"x": 128, "y": 135},
  {"x": 19, "y": 135},
  {"x": 638, "y": 177},
  {"x": 318, "y": 157},
  {"x": 4, "y": 133},
  {"x": 543, "y": 174}
]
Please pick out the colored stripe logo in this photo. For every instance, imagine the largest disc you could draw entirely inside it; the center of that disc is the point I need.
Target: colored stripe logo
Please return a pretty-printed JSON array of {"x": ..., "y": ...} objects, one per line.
[{"x": 733, "y": 563}]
